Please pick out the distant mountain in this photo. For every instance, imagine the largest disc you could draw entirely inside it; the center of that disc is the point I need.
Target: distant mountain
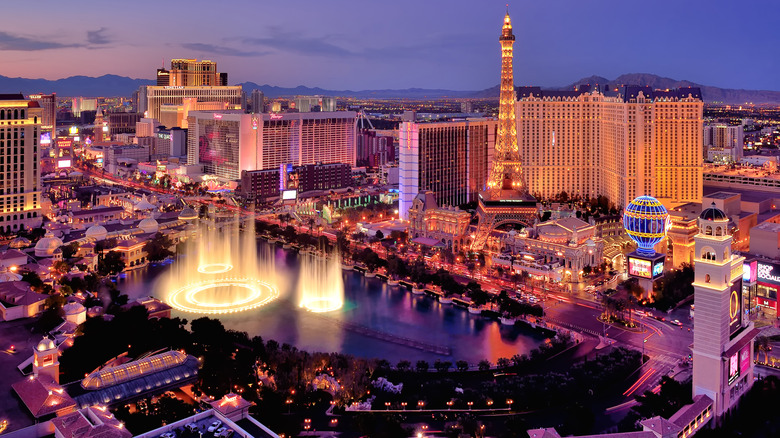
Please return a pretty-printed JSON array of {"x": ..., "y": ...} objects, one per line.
[
  {"x": 409, "y": 93},
  {"x": 113, "y": 85},
  {"x": 710, "y": 94},
  {"x": 106, "y": 85}
]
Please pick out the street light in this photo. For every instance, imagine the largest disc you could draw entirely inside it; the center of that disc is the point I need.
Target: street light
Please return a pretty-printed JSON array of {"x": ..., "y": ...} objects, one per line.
[
  {"x": 471, "y": 403},
  {"x": 403, "y": 405}
]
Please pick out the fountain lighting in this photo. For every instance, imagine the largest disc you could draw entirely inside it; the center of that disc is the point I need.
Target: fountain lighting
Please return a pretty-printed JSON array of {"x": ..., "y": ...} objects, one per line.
[
  {"x": 244, "y": 294},
  {"x": 321, "y": 286},
  {"x": 215, "y": 268},
  {"x": 224, "y": 273}
]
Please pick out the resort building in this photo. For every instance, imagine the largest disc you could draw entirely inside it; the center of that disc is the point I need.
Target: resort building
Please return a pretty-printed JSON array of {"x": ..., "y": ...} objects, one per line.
[
  {"x": 20, "y": 131},
  {"x": 449, "y": 159},
  {"x": 227, "y": 144},
  {"x": 620, "y": 143}
]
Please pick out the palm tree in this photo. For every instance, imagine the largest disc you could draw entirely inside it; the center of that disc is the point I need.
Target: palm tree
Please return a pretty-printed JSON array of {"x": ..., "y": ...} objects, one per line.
[
  {"x": 763, "y": 344},
  {"x": 403, "y": 365}
]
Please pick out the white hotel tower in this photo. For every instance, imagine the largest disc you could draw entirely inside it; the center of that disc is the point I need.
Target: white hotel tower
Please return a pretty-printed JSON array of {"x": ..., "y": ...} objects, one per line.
[{"x": 722, "y": 338}]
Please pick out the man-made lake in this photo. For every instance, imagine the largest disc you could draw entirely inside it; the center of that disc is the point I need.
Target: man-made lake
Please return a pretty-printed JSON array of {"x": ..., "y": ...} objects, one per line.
[{"x": 377, "y": 320}]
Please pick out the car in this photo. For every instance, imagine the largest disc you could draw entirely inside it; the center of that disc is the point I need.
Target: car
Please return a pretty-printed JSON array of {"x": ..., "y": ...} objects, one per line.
[
  {"x": 677, "y": 323},
  {"x": 220, "y": 431},
  {"x": 214, "y": 426},
  {"x": 226, "y": 433},
  {"x": 192, "y": 427},
  {"x": 170, "y": 434}
]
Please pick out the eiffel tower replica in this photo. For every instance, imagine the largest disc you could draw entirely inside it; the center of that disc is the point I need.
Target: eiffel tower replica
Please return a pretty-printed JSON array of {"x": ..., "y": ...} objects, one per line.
[{"x": 505, "y": 199}]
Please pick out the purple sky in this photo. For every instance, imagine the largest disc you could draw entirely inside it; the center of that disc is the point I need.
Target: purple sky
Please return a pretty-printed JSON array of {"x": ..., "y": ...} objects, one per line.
[{"x": 371, "y": 44}]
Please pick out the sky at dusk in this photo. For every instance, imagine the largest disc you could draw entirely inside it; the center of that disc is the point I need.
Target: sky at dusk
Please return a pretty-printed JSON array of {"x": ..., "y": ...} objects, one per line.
[{"x": 351, "y": 44}]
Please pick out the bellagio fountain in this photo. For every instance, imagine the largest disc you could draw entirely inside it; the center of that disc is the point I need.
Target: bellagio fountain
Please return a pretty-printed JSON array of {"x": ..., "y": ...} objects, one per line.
[{"x": 221, "y": 270}]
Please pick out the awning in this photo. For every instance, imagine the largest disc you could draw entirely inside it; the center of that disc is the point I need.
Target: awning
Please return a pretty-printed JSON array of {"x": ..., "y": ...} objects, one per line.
[{"x": 427, "y": 241}]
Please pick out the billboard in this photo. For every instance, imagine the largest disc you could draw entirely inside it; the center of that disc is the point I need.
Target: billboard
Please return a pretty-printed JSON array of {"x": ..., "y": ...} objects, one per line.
[
  {"x": 63, "y": 163},
  {"x": 639, "y": 268},
  {"x": 766, "y": 273},
  {"x": 658, "y": 269},
  {"x": 749, "y": 272},
  {"x": 735, "y": 307},
  {"x": 289, "y": 195},
  {"x": 744, "y": 359},
  {"x": 45, "y": 138},
  {"x": 733, "y": 368}
]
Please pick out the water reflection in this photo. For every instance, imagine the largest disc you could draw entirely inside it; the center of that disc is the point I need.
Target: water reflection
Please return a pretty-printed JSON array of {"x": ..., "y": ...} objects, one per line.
[{"x": 369, "y": 305}]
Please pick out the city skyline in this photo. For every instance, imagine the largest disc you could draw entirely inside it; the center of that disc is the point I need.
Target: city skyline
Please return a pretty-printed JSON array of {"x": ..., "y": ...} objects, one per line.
[{"x": 340, "y": 45}]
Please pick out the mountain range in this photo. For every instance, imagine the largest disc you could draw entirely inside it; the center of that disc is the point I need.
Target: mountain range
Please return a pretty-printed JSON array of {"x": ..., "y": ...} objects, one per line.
[{"x": 113, "y": 85}]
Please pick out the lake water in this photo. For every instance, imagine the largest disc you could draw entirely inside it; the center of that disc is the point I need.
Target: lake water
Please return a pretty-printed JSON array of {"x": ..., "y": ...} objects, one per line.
[{"x": 372, "y": 323}]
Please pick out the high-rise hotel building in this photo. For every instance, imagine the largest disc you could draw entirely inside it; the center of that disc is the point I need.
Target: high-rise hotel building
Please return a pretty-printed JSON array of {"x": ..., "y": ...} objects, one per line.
[
  {"x": 228, "y": 143},
  {"x": 620, "y": 143},
  {"x": 20, "y": 194},
  {"x": 449, "y": 159},
  {"x": 188, "y": 79},
  {"x": 191, "y": 72},
  {"x": 48, "y": 103}
]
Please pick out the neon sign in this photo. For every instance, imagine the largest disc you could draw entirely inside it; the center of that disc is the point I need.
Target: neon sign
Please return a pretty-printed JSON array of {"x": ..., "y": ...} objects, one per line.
[
  {"x": 217, "y": 116},
  {"x": 639, "y": 267},
  {"x": 276, "y": 117},
  {"x": 658, "y": 269},
  {"x": 764, "y": 272}
]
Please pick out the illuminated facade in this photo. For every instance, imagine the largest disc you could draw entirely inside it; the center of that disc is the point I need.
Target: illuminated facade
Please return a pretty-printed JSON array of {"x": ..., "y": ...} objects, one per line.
[
  {"x": 619, "y": 143},
  {"x": 722, "y": 338},
  {"x": 81, "y": 104},
  {"x": 505, "y": 199},
  {"x": 48, "y": 103},
  {"x": 446, "y": 225},
  {"x": 20, "y": 195},
  {"x": 557, "y": 250},
  {"x": 449, "y": 159},
  {"x": 191, "y": 72},
  {"x": 228, "y": 143},
  {"x": 152, "y": 98}
]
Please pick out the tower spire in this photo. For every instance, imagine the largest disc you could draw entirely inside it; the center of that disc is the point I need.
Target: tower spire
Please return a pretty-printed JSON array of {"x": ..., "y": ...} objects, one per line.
[{"x": 505, "y": 171}]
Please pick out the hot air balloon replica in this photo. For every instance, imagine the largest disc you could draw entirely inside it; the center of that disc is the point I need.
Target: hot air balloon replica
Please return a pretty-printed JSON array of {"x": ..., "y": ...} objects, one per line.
[{"x": 646, "y": 221}]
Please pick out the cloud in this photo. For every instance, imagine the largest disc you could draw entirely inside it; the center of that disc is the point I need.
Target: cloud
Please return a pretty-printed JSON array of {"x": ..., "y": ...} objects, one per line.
[
  {"x": 288, "y": 42},
  {"x": 21, "y": 43},
  {"x": 221, "y": 50},
  {"x": 301, "y": 46},
  {"x": 98, "y": 36}
]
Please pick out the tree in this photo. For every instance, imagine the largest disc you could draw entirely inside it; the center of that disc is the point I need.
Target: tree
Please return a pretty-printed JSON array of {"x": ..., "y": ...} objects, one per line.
[
  {"x": 462, "y": 365},
  {"x": 158, "y": 248},
  {"x": 69, "y": 250},
  {"x": 503, "y": 363},
  {"x": 763, "y": 345},
  {"x": 442, "y": 365},
  {"x": 672, "y": 396},
  {"x": 587, "y": 270},
  {"x": 403, "y": 365},
  {"x": 110, "y": 263},
  {"x": 380, "y": 235},
  {"x": 484, "y": 365},
  {"x": 422, "y": 366}
]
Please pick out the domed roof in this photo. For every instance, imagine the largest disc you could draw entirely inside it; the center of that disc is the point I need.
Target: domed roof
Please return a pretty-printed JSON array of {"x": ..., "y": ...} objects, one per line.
[
  {"x": 46, "y": 246},
  {"x": 45, "y": 344},
  {"x": 144, "y": 204},
  {"x": 188, "y": 214},
  {"x": 713, "y": 214},
  {"x": 97, "y": 232},
  {"x": 19, "y": 243},
  {"x": 6, "y": 275},
  {"x": 73, "y": 308},
  {"x": 149, "y": 225}
]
